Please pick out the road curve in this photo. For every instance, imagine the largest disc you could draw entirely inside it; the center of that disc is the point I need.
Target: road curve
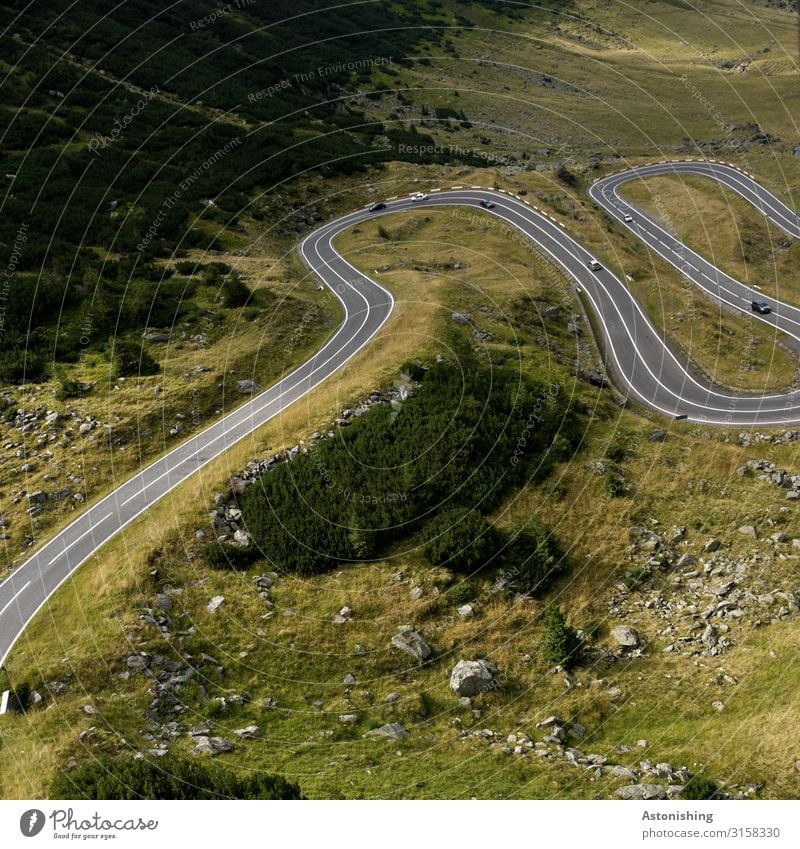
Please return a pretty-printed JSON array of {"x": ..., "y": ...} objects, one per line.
[{"x": 642, "y": 364}]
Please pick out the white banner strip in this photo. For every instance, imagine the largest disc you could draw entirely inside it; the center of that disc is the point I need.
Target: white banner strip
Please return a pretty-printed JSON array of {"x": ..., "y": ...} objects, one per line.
[{"x": 396, "y": 825}]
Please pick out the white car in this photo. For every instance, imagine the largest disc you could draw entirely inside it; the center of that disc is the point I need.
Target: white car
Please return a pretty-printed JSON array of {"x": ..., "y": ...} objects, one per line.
[
  {"x": 594, "y": 265},
  {"x": 628, "y": 218},
  {"x": 419, "y": 196}
]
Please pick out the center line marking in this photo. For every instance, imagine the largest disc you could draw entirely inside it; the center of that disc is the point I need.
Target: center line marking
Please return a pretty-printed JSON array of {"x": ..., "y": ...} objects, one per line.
[
  {"x": 65, "y": 550},
  {"x": 14, "y": 598}
]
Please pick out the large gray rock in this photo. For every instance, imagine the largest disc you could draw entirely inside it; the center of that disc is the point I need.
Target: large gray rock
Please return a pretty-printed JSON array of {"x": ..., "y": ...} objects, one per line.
[
  {"x": 156, "y": 336},
  {"x": 625, "y": 636},
  {"x": 164, "y": 602},
  {"x": 392, "y": 731},
  {"x": 470, "y": 677},
  {"x": 246, "y": 387},
  {"x": 642, "y": 792},
  {"x": 410, "y": 642},
  {"x": 211, "y": 746}
]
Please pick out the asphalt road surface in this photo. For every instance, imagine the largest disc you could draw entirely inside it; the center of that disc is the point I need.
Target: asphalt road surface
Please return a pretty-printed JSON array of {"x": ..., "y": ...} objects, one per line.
[{"x": 642, "y": 365}]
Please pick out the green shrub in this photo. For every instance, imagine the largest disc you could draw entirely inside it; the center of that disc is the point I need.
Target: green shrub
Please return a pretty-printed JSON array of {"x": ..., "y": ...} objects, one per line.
[
  {"x": 67, "y": 387},
  {"x": 700, "y": 787},
  {"x": 461, "y": 593},
  {"x": 614, "y": 485},
  {"x": 534, "y": 558},
  {"x": 131, "y": 359},
  {"x": 235, "y": 292},
  {"x": 560, "y": 644},
  {"x": 166, "y": 778},
  {"x": 223, "y": 555},
  {"x": 459, "y": 440},
  {"x": 460, "y": 539}
]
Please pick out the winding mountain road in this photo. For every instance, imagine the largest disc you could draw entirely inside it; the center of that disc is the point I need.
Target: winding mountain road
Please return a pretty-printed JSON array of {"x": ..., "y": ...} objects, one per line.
[{"x": 641, "y": 363}]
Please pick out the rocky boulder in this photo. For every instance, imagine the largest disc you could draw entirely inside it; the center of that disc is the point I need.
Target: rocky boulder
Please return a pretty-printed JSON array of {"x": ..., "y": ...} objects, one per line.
[
  {"x": 625, "y": 636},
  {"x": 410, "y": 642},
  {"x": 642, "y": 792},
  {"x": 471, "y": 677},
  {"x": 392, "y": 731},
  {"x": 212, "y": 746}
]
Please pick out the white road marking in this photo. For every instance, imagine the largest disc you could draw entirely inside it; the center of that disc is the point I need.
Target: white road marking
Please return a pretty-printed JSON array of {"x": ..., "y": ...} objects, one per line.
[
  {"x": 78, "y": 539},
  {"x": 14, "y": 598},
  {"x": 4, "y": 702}
]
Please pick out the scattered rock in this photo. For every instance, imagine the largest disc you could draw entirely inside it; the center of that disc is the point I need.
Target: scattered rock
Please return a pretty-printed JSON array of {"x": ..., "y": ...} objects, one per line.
[
  {"x": 246, "y": 387},
  {"x": 214, "y": 605},
  {"x": 642, "y": 792},
  {"x": 248, "y": 733},
  {"x": 625, "y": 636},
  {"x": 471, "y": 677},
  {"x": 391, "y": 731},
  {"x": 212, "y": 746},
  {"x": 410, "y": 642}
]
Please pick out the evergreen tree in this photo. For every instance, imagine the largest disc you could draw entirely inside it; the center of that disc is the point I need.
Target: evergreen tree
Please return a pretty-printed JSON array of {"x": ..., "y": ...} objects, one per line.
[{"x": 560, "y": 644}]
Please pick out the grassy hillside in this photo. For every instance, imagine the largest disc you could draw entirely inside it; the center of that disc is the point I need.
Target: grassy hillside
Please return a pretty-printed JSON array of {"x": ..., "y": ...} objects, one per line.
[{"x": 294, "y": 651}]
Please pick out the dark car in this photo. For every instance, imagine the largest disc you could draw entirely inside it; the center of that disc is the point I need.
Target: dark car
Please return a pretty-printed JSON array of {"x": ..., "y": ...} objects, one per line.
[
  {"x": 760, "y": 306},
  {"x": 377, "y": 207},
  {"x": 487, "y": 204}
]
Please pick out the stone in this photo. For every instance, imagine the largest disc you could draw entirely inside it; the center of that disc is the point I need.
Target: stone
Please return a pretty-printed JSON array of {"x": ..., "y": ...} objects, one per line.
[
  {"x": 623, "y": 772},
  {"x": 471, "y": 677},
  {"x": 686, "y": 560},
  {"x": 212, "y": 746},
  {"x": 349, "y": 680},
  {"x": 748, "y": 531},
  {"x": 156, "y": 336},
  {"x": 241, "y": 538},
  {"x": 248, "y": 733},
  {"x": 137, "y": 662},
  {"x": 391, "y": 731},
  {"x": 392, "y": 698},
  {"x": 410, "y": 642},
  {"x": 658, "y": 435},
  {"x": 348, "y": 718},
  {"x": 466, "y": 611},
  {"x": 711, "y": 546},
  {"x": 625, "y": 636},
  {"x": 779, "y": 537},
  {"x": 642, "y": 792},
  {"x": 214, "y": 605},
  {"x": 246, "y": 387},
  {"x": 163, "y": 602},
  {"x": 416, "y": 593},
  {"x": 461, "y": 317}
]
